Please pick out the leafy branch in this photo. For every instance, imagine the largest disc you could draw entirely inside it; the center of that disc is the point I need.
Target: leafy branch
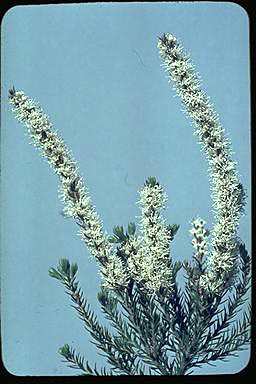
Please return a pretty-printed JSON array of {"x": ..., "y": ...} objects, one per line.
[
  {"x": 117, "y": 356},
  {"x": 76, "y": 361}
]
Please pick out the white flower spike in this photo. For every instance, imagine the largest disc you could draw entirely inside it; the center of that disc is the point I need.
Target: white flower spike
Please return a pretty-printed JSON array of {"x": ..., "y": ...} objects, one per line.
[{"x": 228, "y": 194}]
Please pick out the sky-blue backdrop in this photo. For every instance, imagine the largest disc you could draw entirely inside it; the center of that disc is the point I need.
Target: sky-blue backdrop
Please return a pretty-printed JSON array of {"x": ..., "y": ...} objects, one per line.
[{"x": 95, "y": 70}]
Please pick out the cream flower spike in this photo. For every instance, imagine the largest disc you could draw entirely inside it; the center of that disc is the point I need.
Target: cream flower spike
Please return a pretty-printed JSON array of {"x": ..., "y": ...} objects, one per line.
[
  {"x": 227, "y": 192},
  {"x": 73, "y": 192},
  {"x": 156, "y": 268}
]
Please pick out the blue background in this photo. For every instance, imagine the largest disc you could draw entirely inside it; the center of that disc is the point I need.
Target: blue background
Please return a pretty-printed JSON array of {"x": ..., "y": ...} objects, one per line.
[{"x": 95, "y": 70}]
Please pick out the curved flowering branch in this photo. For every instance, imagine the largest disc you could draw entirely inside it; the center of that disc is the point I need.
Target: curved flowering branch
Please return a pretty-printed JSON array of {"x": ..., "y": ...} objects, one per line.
[
  {"x": 227, "y": 192},
  {"x": 73, "y": 193}
]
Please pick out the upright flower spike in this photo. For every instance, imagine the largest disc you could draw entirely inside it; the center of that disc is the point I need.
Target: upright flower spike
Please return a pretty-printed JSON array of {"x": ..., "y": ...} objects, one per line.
[
  {"x": 228, "y": 194},
  {"x": 73, "y": 193},
  {"x": 156, "y": 270}
]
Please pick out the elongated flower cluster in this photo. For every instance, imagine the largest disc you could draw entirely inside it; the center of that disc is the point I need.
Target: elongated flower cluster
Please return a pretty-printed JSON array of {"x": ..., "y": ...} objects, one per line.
[
  {"x": 227, "y": 192},
  {"x": 156, "y": 268},
  {"x": 74, "y": 194}
]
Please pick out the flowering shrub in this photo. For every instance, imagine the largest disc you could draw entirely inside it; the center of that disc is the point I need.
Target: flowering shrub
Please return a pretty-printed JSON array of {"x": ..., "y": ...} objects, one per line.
[{"x": 157, "y": 328}]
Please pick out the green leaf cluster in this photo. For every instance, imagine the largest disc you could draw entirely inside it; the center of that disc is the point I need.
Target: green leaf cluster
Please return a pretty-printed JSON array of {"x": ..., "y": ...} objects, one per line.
[
  {"x": 119, "y": 236},
  {"x": 64, "y": 270},
  {"x": 151, "y": 181},
  {"x": 163, "y": 333}
]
